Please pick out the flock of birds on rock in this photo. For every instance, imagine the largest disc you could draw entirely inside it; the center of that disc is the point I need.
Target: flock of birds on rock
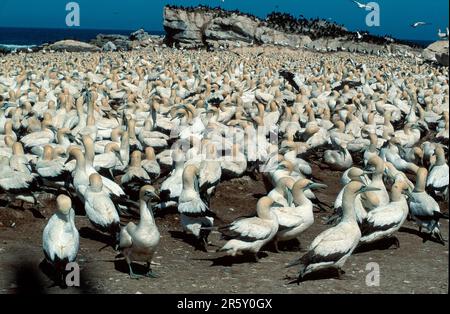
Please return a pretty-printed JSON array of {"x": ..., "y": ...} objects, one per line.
[{"x": 116, "y": 132}]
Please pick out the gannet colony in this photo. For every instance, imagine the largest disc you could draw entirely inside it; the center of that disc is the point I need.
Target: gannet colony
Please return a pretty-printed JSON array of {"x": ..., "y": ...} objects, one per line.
[{"x": 119, "y": 138}]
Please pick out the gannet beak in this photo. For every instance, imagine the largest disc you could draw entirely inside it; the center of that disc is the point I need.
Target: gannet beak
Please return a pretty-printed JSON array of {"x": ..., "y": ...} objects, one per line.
[
  {"x": 69, "y": 159},
  {"x": 366, "y": 188},
  {"x": 153, "y": 195},
  {"x": 119, "y": 157},
  {"x": 178, "y": 115},
  {"x": 314, "y": 185}
]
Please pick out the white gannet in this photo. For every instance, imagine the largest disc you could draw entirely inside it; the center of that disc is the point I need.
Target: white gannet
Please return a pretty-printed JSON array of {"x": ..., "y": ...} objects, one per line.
[
  {"x": 381, "y": 193},
  {"x": 235, "y": 164},
  {"x": 171, "y": 187},
  {"x": 438, "y": 177},
  {"x": 194, "y": 213},
  {"x": 424, "y": 209},
  {"x": 331, "y": 248},
  {"x": 210, "y": 172},
  {"x": 100, "y": 209},
  {"x": 60, "y": 238},
  {"x": 135, "y": 176},
  {"x": 150, "y": 164},
  {"x": 250, "y": 234},
  {"x": 384, "y": 221},
  {"x": 363, "y": 6},
  {"x": 419, "y": 23},
  {"x": 298, "y": 215},
  {"x": 139, "y": 242}
]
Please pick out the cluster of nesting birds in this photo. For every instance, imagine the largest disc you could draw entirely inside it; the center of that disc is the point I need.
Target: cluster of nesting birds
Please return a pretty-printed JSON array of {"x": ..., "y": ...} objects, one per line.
[{"x": 101, "y": 129}]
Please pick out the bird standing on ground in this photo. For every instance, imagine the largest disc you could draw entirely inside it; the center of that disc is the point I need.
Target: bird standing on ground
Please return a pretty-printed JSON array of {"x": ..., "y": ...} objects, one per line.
[
  {"x": 424, "y": 209},
  {"x": 331, "y": 248},
  {"x": 60, "y": 239},
  {"x": 139, "y": 242},
  {"x": 250, "y": 234},
  {"x": 194, "y": 213}
]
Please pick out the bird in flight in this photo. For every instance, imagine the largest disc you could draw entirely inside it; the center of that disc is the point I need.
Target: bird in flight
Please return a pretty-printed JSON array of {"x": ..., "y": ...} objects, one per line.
[
  {"x": 417, "y": 24},
  {"x": 363, "y": 6},
  {"x": 443, "y": 35}
]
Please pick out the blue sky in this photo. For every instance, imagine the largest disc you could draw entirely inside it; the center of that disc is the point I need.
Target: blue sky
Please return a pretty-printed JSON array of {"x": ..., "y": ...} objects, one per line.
[{"x": 396, "y": 15}]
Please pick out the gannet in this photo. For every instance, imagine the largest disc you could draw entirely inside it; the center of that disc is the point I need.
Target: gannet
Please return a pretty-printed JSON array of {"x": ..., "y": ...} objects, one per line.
[
  {"x": 100, "y": 209},
  {"x": 331, "y": 248},
  {"x": 250, "y": 234},
  {"x": 384, "y": 221},
  {"x": 135, "y": 176},
  {"x": 297, "y": 216},
  {"x": 194, "y": 213},
  {"x": 381, "y": 195},
  {"x": 60, "y": 238},
  {"x": 150, "y": 164},
  {"x": 424, "y": 209},
  {"x": 139, "y": 242},
  {"x": 171, "y": 187},
  {"x": 210, "y": 172},
  {"x": 438, "y": 177}
]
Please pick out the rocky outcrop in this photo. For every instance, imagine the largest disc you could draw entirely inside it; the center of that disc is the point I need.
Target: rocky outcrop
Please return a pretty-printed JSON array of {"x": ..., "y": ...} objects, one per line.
[
  {"x": 194, "y": 29},
  {"x": 109, "y": 46},
  {"x": 73, "y": 46},
  {"x": 438, "y": 52},
  {"x": 345, "y": 44},
  {"x": 121, "y": 42},
  {"x": 214, "y": 28},
  {"x": 137, "y": 39}
]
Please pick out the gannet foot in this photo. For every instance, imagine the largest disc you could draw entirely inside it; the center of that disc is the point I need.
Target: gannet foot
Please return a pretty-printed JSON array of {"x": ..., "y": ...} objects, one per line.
[
  {"x": 275, "y": 247},
  {"x": 136, "y": 277},
  {"x": 396, "y": 243},
  {"x": 341, "y": 274},
  {"x": 132, "y": 274},
  {"x": 151, "y": 274}
]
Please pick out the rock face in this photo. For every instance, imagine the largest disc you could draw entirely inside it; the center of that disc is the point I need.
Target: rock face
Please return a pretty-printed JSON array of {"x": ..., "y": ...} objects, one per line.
[
  {"x": 121, "y": 42},
  {"x": 437, "y": 51},
  {"x": 209, "y": 29},
  {"x": 73, "y": 46},
  {"x": 109, "y": 46}
]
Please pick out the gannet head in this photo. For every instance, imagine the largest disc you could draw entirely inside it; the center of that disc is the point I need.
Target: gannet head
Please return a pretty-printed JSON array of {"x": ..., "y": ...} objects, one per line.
[
  {"x": 17, "y": 149},
  {"x": 95, "y": 182},
  {"x": 148, "y": 193},
  {"x": 64, "y": 204}
]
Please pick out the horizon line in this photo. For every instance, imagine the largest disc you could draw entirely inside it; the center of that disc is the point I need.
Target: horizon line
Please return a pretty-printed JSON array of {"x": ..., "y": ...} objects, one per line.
[{"x": 148, "y": 30}]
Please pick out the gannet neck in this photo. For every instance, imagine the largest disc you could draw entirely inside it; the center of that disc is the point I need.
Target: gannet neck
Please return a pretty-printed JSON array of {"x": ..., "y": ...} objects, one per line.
[
  {"x": 146, "y": 213},
  {"x": 440, "y": 157},
  {"x": 263, "y": 208},
  {"x": 396, "y": 193},
  {"x": 136, "y": 159},
  {"x": 89, "y": 149},
  {"x": 299, "y": 197},
  {"x": 421, "y": 180},
  {"x": 80, "y": 161},
  {"x": 47, "y": 154},
  {"x": 348, "y": 204},
  {"x": 132, "y": 129}
]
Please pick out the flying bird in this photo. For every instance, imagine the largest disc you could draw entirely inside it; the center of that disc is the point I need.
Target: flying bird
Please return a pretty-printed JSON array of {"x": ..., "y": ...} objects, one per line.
[
  {"x": 363, "y": 6},
  {"x": 417, "y": 24},
  {"x": 442, "y": 35}
]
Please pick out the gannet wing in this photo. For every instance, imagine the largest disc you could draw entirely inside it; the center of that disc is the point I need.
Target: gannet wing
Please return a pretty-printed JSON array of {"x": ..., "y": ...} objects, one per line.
[{"x": 248, "y": 229}]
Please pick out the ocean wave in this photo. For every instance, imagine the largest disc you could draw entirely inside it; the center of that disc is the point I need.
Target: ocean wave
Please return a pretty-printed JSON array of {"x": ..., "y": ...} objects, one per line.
[{"x": 9, "y": 47}]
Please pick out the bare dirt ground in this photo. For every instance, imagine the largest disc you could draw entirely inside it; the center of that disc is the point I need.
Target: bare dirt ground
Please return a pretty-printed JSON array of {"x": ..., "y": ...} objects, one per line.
[{"x": 415, "y": 267}]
